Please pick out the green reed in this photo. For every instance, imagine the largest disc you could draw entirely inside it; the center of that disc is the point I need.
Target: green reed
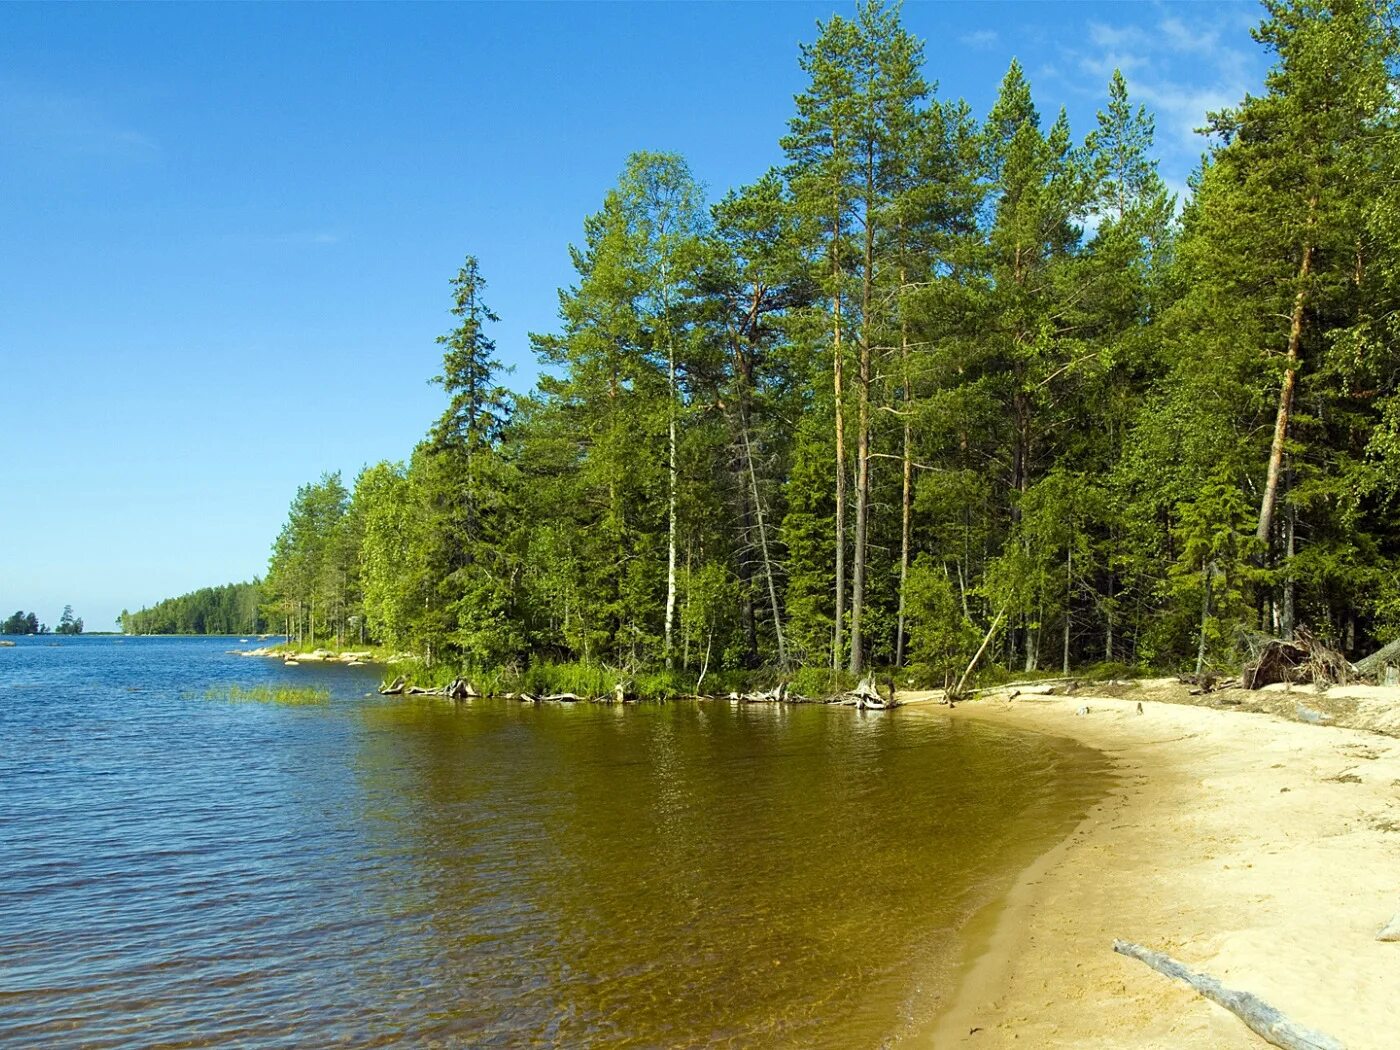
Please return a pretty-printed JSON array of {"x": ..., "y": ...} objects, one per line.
[{"x": 286, "y": 696}]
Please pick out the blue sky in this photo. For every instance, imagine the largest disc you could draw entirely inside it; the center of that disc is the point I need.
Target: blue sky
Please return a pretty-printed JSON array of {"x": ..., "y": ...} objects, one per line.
[{"x": 227, "y": 230}]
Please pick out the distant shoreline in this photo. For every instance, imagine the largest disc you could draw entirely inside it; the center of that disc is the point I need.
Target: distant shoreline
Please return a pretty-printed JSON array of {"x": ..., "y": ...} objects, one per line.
[{"x": 1259, "y": 850}]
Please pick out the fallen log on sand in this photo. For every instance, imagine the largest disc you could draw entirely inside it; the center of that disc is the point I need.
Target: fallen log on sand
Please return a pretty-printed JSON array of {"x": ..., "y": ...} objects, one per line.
[
  {"x": 1391, "y": 930},
  {"x": 1259, "y": 1016},
  {"x": 866, "y": 697},
  {"x": 1374, "y": 665},
  {"x": 1302, "y": 658},
  {"x": 957, "y": 692}
]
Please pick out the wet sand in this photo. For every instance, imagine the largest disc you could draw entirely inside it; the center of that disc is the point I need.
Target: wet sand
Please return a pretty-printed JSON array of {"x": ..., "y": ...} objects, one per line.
[{"x": 1262, "y": 851}]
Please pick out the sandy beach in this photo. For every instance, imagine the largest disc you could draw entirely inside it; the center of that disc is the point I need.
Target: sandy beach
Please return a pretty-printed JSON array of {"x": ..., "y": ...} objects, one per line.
[{"x": 1263, "y": 851}]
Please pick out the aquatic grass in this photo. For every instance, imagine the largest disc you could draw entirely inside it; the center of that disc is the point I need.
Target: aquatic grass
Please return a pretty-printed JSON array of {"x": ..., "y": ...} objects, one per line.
[
  {"x": 284, "y": 696},
  {"x": 819, "y": 682},
  {"x": 544, "y": 679},
  {"x": 598, "y": 681}
]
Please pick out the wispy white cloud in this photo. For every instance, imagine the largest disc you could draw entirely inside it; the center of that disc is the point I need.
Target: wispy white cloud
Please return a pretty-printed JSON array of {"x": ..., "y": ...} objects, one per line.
[
  {"x": 1125, "y": 48},
  {"x": 1181, "y": 109},
  {"x": 66, "y": 127},
  {"x": 980, "y": 39},
  {"x": 1198, "y": 39},
  {"x": 1106, "y": 36},
  {"x": 1181, "y": 69}
]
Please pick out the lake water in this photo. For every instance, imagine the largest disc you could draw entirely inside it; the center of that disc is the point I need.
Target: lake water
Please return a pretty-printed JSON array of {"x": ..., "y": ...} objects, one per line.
[{"x": 180, "y": 871}]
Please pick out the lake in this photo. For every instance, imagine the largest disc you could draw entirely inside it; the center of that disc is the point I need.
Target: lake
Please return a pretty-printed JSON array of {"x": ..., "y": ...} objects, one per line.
[{"x": 183, "y": 871}]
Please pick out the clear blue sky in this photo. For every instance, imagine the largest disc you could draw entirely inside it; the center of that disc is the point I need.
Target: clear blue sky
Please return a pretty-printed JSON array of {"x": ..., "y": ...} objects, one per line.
[{"x": 226, "y": 231}]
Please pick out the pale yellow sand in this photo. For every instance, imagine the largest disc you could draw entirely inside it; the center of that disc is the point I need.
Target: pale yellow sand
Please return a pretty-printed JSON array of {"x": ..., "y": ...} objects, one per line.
[{"x": 1265, "y": 852}]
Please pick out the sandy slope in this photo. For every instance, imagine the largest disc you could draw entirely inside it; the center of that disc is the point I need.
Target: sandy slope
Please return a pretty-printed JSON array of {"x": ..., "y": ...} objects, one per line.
[{"x": 1263, "y": 851}]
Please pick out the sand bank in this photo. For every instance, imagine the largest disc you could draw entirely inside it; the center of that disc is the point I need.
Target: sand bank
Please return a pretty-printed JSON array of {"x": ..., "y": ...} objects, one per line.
[{"x": 1263, "y": 851}]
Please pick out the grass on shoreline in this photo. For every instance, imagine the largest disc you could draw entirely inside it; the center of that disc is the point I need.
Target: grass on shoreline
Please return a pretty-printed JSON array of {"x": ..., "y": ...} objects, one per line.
[
  {"x": 595, "y": 680},
  {"x": 284, "y": 696}
]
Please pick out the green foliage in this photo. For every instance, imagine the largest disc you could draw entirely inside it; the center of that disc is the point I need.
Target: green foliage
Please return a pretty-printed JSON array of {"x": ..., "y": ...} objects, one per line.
[
  {"x": 932, "y": 372},
  {"x": 306, "y": 592},
  {"x": 22, "y": 623},
  {"x": 940, "y": 638},
  {"x": 234, "y": 608},
  {"x": 817, "y": 683}
]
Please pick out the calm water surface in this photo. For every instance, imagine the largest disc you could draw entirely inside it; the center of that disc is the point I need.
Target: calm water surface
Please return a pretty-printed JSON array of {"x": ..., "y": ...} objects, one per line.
[{"x": 179, "y": 871}]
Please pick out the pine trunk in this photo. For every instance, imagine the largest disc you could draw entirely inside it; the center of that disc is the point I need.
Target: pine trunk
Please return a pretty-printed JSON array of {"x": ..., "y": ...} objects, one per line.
[
  {"x": 863, "y": 422},
  {"x": 862, "y": 509},
  {"x": 671, "y": 478},
  {"x": 1285, "y": 402},
  {"x": 1205, "y": 620},
  {"x": 763, "y": 549},
  {"x": 907, "y": 492},
  {"x": 1290, "y": 523},
  {"x": 837, "y": 648},
  {"x": 671, "y": 535},
  {"x": 1108, "y": 628},
  {"x": 1069, "y": 595}
]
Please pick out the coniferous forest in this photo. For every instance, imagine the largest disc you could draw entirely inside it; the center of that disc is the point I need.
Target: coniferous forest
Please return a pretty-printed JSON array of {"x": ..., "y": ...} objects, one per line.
[
  {"x": 233, "y": 608},
  {"x": 940, "y": 373}
]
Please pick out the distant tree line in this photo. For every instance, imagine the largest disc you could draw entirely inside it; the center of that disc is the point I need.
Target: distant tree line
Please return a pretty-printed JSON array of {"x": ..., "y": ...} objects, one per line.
[
  {"x": 68, "y": 623},
  {"x": 933, "y": 376},
  {"x": 23, "y": 623},
  {"x": 233, "y": 608}
]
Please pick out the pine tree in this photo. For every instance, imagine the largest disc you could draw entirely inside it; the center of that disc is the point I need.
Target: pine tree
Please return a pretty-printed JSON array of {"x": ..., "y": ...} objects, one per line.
[
  {"x": 822, "y": 146},
  {"x": 755, "y": 283}
]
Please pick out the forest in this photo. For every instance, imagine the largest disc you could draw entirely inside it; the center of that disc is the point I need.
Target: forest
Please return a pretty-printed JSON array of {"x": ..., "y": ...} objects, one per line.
[
  {"x": 23, "y": 623},
  {"x": 233, "y": 608},
  {"x": 937, "y": 377}
]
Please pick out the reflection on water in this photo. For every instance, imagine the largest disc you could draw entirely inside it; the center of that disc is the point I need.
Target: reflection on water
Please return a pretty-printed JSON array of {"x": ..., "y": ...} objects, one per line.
[{"x": 181, "y": 872}]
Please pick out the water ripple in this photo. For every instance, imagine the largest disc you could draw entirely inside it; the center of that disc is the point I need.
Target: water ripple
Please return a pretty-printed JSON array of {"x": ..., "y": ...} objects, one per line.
[{"x": 181, "y": 872}]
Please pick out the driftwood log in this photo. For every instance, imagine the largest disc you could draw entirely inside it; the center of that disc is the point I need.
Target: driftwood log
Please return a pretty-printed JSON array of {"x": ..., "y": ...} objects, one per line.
[
  {"x": 768, "y": 696},
  {"x": 461, "y": 689},
  {"x": 1374, "y": 665},
  {"x": 1205, "y": 682},
  {"x": 457, "y": 689},
  {"x": 1391, "y": 930},
  {"x": 866, "y": 696},
  {"x": 1302, "y": 658},
  {"x": 957, "y": 693},
  {"x": 1259, "y": 1016}
]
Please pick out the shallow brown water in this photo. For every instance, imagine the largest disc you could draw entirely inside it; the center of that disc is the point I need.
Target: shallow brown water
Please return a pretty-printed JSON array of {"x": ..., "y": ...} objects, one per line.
[{"x": 187, "y": 872}]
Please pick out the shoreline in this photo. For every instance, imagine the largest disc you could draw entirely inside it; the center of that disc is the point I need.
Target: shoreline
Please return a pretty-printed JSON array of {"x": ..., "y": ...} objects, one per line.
[{"x": 1264, "y": 852}]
